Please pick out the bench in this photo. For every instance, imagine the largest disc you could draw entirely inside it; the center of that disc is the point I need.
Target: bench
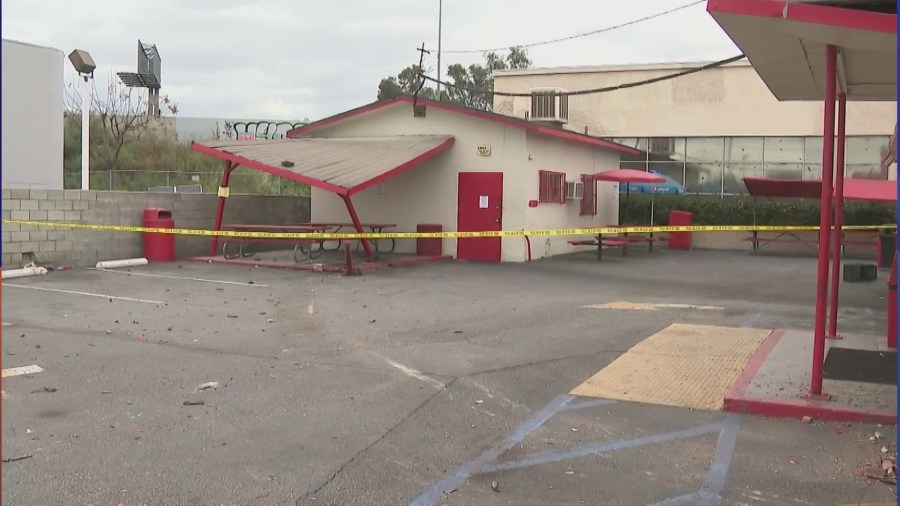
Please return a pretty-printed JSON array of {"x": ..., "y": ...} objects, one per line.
[
  {"x": 618, "y": 242},
  {"x": 302, "y": 247},
  {"x": 373, "y": 227}
]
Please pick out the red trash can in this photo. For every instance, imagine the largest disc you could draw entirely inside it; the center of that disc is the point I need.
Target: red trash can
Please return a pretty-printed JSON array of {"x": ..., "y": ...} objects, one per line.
[
  {"x": 426, "y": 246},
  {"x": 159, "y": 247},
  {"x": 680, "y": 240}
]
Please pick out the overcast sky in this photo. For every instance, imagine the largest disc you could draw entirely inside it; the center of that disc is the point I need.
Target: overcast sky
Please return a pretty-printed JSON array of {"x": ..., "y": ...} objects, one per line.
[{"x": 289, "y": 59}]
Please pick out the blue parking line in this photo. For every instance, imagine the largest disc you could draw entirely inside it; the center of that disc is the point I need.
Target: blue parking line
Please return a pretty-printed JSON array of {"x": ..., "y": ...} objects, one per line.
[
  {"x": 586, "y": 404},
  {"x": 591, "y": 449},
  {"x": 451, "y": 482}
]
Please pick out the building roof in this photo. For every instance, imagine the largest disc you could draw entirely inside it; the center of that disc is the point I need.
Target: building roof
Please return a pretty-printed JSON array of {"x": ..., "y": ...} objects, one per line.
[
  {"x": 341, "y": 165},
  {"x": 475, "y": 113},
  {"x": 599, "y": 69},
  {"x": 785, "y": 42}
]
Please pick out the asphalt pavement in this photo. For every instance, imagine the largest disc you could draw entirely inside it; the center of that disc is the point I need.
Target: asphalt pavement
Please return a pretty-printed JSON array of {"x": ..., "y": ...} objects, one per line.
[{"x": 190, "y": 383}]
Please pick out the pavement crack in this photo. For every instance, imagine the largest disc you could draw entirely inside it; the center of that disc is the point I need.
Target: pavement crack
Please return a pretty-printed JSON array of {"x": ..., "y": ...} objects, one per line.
[
  {"x": 540, "y": 362},
  {"x": 377, "y": 440}
]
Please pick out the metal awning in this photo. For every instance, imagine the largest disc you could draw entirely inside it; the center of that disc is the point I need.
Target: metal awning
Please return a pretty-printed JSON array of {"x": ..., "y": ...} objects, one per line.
[
  {"x": 785, "y": 42},
  {"x": 341, "y": 165},
  {"x": 871, "y": 190}
]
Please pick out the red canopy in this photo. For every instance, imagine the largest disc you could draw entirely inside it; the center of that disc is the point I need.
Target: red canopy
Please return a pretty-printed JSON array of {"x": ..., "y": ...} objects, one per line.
[
  {"x": 874, "y": 190},
  {"x": 629, "y": 176}
]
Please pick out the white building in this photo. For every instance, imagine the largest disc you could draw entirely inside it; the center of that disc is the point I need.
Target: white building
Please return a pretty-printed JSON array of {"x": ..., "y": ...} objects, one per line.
[
  {"x": 431, "y": 162},
  {"x": 707, "y": 129},
  {"x": 32, "y": 116}
]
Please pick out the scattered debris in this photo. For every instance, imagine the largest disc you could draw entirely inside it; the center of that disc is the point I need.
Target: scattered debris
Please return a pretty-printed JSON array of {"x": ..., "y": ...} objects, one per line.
[
  {"x": 574, "y": 429},
  {"x": 457, "y": 331},
  {"x": 570, "y": 472},
  {"x": 209, "y": 385},
  {"x": 884, "y": 449},
  {"x": 42, "y": 390},
  {"x": 479, "y": 401},
  {"x": 262, "y": 495},
  {"x": 194, "y": 403},
  {"x": 232, "y": 316},
  {"x": 271, "y": 320},
  {"x": 495, "y": 486},
  {"x": 837, "y": 430},
  {"x": 28, "y": 431},
  {"x": 23, "y": 457},
  {"x": 806, "y": 419}
]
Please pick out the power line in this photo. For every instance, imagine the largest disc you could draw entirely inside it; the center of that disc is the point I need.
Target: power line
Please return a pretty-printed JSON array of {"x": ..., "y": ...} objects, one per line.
[
  {"x": 592, "y": 91},
  {"x": 578, "y": 36}
]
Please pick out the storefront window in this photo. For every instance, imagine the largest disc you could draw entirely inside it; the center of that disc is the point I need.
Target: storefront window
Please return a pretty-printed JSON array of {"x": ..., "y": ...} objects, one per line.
[
  {"x": 783, "y": 149},
  {"x": 705, "y": 149},
  {"x": 703, "y": 178},
  {"x": 865, "y": 149},
  {"x": 666, "y": 148},
  {"x": 673, "y": 170},
  {"x": 744, "y": 150},
  {"x": 784, "y": 171},
  {"x": 734, "y": 176}
]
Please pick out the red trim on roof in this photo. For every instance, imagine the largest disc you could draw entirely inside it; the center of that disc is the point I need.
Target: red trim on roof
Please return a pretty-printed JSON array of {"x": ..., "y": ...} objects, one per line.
[
  {"x": 475, "y": 113},
  {"x": 431, "y": 153},
  {"x": 246, "y": 162},
  {"x": 807, "y": 13}
]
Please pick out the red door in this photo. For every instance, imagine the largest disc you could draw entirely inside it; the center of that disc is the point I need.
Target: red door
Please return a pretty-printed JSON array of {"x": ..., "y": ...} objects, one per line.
[{"x": 480, "y": 209}]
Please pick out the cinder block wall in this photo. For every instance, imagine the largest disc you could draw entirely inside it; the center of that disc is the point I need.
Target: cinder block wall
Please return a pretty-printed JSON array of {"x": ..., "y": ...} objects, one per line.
[{"x": 86, "y": 247}]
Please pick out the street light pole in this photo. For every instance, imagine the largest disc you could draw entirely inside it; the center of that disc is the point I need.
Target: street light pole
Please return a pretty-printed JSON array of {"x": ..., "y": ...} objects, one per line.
[
  {"x": 440, "y": 25},
  {"x": 85, "y": 133}
]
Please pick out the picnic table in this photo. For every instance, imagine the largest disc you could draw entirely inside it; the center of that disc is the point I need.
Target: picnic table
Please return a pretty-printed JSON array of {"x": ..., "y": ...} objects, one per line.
[
  {"x": 237, "y": 247},
  {"x": 376, "y": 228},
  {"x": 616, "y": 241},
  {"x": 791, "y": 237}
]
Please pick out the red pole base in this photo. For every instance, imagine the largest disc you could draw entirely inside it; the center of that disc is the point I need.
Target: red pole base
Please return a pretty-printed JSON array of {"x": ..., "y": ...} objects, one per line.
[
  {"x": 816, "y": 397},
  {"x": 835, "y": 338}
]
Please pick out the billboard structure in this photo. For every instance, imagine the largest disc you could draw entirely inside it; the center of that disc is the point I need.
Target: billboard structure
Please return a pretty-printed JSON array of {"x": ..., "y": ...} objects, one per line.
[{"x": 148, "y": 75}]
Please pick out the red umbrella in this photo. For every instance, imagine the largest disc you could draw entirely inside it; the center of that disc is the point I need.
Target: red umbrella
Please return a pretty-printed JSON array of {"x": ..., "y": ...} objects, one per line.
[{"x": 628, "y": 176}]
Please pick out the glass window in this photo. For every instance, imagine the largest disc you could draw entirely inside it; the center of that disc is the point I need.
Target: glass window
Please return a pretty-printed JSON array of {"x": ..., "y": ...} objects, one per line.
[
  {"x": 735, "y": 173},
  {"x": 783, "y": 170},
  {"x": 865, "y": 149},
  {"x": 671, "y": 170},
  {"x": 783, "y": 150},
  {"x": 704, "y": 149},
  {"x": 703, "y": 177},
  {"x": 632, "y": 164},
  {"x": 812, "y": 171},
  {"x": 671, "y": 148},
  {"x": 744, "y": 150},
  {"x": 865, "y": 171},
  {"x": 631, "y": 142}
]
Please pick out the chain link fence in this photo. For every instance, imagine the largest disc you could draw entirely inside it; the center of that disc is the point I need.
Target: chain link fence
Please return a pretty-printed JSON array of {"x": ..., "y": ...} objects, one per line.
[{"x": 240, "y": 182}]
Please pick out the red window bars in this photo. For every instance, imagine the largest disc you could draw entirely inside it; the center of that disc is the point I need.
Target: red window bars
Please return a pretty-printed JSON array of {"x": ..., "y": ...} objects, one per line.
[
  {"x": 588, "y": 195},
  {"x": 552, "y": 187}
]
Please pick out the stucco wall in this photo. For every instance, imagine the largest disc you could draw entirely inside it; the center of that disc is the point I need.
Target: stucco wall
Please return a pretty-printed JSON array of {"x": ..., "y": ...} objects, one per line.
[
  {"x": 727, "y": 101},
  {"x": 428, "y": 193},
  {"x": 32, "y": 89}
]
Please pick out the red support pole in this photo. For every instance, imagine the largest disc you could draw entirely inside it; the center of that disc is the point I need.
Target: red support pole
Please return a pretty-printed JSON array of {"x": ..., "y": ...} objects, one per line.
[
  {"x": 815, "y": 387},
  {"x": 838, "y": 233},
  {"x": 892, "y": 306},
  {"x": 357, "y": 225},
  {"x": 220, "y": 208}
]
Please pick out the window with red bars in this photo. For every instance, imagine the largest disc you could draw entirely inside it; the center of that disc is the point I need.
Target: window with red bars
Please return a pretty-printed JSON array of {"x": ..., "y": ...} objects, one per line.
[
  {"x": 552, "y": 187},
  {"x": 588, "y": 195}
]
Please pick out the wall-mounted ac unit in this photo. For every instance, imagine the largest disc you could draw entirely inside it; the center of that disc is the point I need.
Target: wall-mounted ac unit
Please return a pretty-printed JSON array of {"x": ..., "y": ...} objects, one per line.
[
  {"x": 574, "y": 190},
  {"x": 550, "y": 105}
]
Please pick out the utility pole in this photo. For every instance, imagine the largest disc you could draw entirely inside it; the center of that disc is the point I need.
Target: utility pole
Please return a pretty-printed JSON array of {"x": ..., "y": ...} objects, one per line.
[{"x": 440, "y": 24}]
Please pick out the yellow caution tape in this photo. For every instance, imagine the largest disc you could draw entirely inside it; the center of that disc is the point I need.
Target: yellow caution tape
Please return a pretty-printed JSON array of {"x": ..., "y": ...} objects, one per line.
[{"x": 442, "y": 235}]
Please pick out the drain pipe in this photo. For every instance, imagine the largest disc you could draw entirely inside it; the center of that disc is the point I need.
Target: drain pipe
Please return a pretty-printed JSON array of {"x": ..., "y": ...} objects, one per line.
[
  {"x": 113, "y": 264},
  {"x": 28, "y": 270}
]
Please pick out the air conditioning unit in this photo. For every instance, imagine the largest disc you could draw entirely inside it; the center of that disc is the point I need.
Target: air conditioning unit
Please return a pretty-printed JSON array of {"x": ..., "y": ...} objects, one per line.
[
  {"x": 574, "y": 190},
  {"x": 549, "y": 105}
]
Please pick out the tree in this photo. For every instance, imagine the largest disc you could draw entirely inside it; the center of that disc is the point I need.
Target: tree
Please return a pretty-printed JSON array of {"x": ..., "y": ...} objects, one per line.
[
  {"x": 118, "y": 116},
  {"x": 470, "y": 86}
]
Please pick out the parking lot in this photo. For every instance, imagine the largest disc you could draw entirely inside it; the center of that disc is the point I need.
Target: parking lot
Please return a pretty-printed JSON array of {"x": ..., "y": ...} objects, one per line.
[{"x": 191, "y": 383}]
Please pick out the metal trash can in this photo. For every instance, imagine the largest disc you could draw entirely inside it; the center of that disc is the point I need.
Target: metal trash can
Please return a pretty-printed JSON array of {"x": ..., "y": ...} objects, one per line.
[
  {"x": 887, "y": 245},
  {"x": 680, "y": 240},
  {"x": 159, "y": 247},
  {"x": 429, "y": 247}
]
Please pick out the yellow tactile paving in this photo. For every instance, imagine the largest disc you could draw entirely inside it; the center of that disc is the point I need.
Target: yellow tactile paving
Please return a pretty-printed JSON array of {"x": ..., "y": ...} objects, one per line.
[{"x": 682, "y": 365}]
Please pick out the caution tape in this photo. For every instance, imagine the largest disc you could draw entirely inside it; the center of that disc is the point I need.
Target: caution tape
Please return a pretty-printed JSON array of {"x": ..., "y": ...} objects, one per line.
[{"x": 441, "y": 235}]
